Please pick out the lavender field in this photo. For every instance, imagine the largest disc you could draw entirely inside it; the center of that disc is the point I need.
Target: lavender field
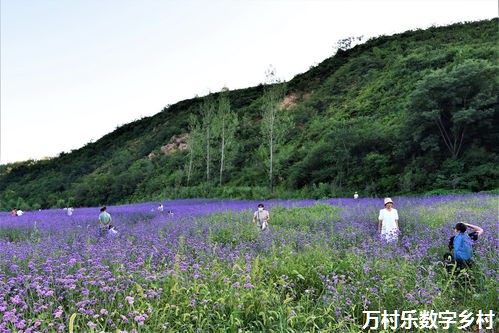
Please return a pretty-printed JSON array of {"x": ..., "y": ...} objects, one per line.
[{"x": 320, "y": 267}]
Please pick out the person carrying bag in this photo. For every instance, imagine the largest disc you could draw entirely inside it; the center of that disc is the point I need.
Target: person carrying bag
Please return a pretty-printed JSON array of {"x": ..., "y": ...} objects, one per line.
[{"x": 261, "y": 217}]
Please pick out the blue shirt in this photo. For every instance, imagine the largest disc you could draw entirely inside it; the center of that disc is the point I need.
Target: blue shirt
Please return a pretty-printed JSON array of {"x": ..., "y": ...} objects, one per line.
[{"x": 463, "y": 247}]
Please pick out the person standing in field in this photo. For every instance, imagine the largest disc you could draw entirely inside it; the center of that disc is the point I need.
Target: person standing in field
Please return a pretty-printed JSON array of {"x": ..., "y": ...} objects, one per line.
[
  {"x": 356, "y": 195},
  {"x": 105, "y": 222},
  {"x": 261, "y": 217},
  {"x": 160, "y": 207},
  {"x": 388, "y": 222}
]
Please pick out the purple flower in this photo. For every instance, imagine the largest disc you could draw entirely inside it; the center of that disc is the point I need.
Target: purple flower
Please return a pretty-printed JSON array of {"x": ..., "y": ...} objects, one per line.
[
  {"x": 16, "y": 299},
  {"x": 140, "y": 319},
  {"x": 58, "y": 313},
  {"x": 21, "y": 324}
]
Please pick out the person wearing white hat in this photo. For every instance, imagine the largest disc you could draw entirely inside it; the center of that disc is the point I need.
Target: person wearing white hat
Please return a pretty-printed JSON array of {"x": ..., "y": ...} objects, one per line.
[{"x": 388, "y": 225}]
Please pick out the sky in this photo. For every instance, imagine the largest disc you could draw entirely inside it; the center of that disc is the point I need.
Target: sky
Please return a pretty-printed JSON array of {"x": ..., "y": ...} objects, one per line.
[{"x": 73, "y": 71}]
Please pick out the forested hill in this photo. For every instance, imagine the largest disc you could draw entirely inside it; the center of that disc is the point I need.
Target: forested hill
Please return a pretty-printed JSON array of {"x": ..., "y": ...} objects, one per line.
[{"x": 403, "y": 114}]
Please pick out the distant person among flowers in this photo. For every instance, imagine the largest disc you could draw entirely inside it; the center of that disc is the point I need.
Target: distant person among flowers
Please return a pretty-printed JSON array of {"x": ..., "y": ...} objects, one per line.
[
  {"x": 160, "y": 207},
  {"x": 20, "y": 212},
  {"x": 13, "y": 212},
  {"x": 261, "y": 217},
  {"x": 388, "y": 222},
  {"x": 105, "y": 221},
  {"x": 70, "y": 211},
  {"x": 356, "y": 195}
]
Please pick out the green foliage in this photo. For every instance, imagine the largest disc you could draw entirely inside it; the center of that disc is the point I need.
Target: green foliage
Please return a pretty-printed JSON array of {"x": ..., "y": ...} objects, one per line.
[
  {"x": 454, "y": 106},
  {"x": 230, "y": 230},
  {"x": 303, "y": 218},
  {"x": 408, "y": 113}
]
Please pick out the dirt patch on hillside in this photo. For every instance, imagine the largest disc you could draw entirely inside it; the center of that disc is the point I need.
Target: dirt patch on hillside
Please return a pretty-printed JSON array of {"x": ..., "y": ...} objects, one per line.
[
  {"x": 176, "y": 143},
  {"x": 292, "y": 99}
]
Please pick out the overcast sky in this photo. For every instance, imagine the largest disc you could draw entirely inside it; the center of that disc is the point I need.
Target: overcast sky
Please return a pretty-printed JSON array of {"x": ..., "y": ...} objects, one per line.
[{"x": 73, "y": 71}]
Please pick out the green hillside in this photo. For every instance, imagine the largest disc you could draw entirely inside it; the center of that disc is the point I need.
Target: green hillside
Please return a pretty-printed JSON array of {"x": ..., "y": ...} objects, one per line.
[{"x": 403, "y": 114}]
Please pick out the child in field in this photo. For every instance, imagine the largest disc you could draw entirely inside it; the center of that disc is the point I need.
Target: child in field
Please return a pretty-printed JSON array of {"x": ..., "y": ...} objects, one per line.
[
  {"x": 388, "y": 222},
  {"x": 261, "y": 217}
]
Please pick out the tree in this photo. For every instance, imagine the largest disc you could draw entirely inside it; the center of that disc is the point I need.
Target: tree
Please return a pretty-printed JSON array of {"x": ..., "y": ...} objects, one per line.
[
  {"x": 346, "y": 43},
  {"x": 208, "y": 115},
  {"x": 454, "y": 103},
  {"x": 275, "y": 121},
  {"x": 225, "y": 126},
  {"x": 194, "y": 144}
]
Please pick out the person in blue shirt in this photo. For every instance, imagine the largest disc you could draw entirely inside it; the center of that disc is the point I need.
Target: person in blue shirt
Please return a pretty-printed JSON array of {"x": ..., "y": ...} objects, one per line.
[
  {"x": 463, "y": 250},
  {"x": 462, "y": 246}
]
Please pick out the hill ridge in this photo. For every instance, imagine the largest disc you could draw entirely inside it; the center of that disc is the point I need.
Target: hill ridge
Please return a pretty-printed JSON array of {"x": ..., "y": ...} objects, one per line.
[{"x": 355, "y": 130}]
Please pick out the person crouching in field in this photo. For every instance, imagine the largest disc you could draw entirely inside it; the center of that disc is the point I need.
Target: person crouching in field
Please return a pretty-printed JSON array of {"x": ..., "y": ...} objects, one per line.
[
  {"x": 261, "y": 217},
  {"x": 388, "y": 222},
  {"x": 461, "y": 245},
  {"x": 105, "y": 222}
]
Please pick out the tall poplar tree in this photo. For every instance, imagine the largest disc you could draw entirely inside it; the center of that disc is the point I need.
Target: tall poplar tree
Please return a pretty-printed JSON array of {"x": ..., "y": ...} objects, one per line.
[
  {"x": 275, "y": 120},
  {"x": 194, "y": 144},
  {"x": 225, "y": 126},
  {"x": 208, "y": 115}
]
